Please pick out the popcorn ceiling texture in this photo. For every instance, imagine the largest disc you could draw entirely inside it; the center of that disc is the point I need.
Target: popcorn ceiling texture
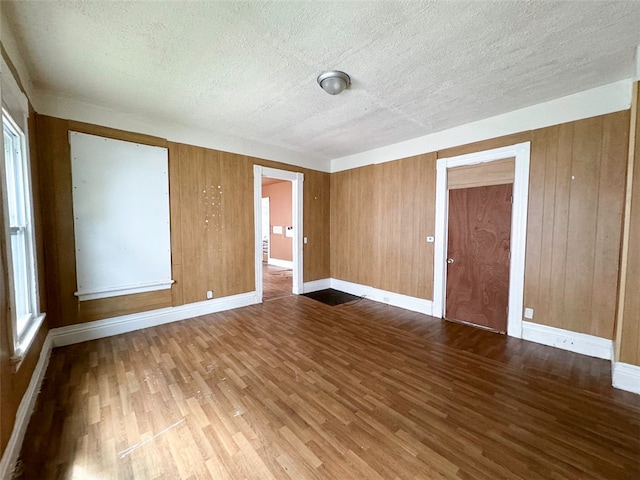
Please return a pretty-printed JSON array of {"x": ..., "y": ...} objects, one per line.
[{"x": 248, "y": 69}]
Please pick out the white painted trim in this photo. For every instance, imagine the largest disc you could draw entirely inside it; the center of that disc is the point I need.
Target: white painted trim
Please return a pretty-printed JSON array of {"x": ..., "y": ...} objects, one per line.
[
  {"x": 74, "y": 109},
  {"x": 128, "y": 323},
  {"x": 257, "y": 226},
  {"x": 610, "y": 98},
  {"x": 567, "y": 340},
  {"x": 441, "y": 240},
  {"x": 276, "y": 262},
  {"x": 298, "y": 223},
  {"x": 23, "y": 415},
  {"x": 391, "y": 298},
  {"x": 123, "y": 290},
  {"x": 315, "y": 285},
  {"x": 297, "y": 182},
  {"x": 626, "y": 377},
  {"x": 521, "y": 152}
]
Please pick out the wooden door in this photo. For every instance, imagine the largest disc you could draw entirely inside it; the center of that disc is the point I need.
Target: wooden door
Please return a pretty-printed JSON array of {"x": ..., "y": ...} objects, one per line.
[{"x": 478, "y": 256}]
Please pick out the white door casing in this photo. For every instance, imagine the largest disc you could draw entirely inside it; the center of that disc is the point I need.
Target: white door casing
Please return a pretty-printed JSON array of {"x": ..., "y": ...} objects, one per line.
[
  {"x": 297, "y": 181},
  {"x": 521, "y": 152}
]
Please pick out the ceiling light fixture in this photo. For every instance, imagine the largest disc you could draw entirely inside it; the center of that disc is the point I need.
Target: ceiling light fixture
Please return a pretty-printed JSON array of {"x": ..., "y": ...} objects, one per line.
[{"x": 334, "y": 81}]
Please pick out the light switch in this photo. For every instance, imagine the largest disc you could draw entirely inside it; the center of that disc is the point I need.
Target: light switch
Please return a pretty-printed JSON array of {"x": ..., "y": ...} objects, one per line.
[
  {"x": 528, "y": 313},
  {"x": 305, "y": 239}
]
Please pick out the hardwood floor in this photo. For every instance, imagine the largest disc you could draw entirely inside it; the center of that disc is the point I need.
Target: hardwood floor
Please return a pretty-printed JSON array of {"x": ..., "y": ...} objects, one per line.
[
  {"x": 277, "y": 282},
  {"x": 296, "y": 389}
]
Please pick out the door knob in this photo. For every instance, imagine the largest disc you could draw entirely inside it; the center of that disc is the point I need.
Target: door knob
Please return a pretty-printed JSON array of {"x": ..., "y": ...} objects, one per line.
[{"x": 450, "y": 260}]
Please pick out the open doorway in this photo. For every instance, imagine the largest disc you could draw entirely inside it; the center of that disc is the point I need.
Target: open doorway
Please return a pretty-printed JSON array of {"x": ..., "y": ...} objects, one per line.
[
  {"x": 277, "y": 238},
  {"x": 278, "y": 196}
]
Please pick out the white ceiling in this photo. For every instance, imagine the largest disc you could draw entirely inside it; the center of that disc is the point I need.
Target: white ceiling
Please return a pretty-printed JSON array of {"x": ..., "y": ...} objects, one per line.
[{"x": 248, "y": 69}]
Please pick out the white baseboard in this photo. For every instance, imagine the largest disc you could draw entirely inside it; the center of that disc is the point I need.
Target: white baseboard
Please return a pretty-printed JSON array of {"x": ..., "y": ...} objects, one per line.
[
  {"x": 316, "y": 285},
  {"x": 396, "y": 299},
  {"x": 566, "y": 340},
  {"x": 23, "y": 415},
  {"x": 276, "y": 262},
  {"x": 128, "y": 323},
  {"x": 626, "y": 377}
]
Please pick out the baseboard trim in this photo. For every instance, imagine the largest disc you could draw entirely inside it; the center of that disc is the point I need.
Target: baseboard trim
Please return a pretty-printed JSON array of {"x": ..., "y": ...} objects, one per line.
[
  {"x": 316, "y": 285},
  {"x": 280, "y": 263},
  {"x": 626, "y": 377},
  {"x": 128, "y": 323},
  {"x": 23, "y": 415},
  {"x": 383, "y": 296},
  {"x": 566, "y": 340}
]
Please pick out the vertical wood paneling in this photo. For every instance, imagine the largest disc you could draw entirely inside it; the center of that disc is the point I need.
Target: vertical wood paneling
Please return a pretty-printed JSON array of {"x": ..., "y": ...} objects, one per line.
[
  {"x": 55, "y": 178},
  {"x": 575, "y": 211},
  {"x": 316, "y": 220},
  {"x": 380, "y": 218},
  {"x": 238, "y": 262},
  {"x": 177, "y": 293},
  {"x": 609, "y": 223},
  {"x": 582, "y": 227},
  {"x": 628, "y": 335},
  {"x": 558, "y": 246},
  {"x": 212, "y": 237}
]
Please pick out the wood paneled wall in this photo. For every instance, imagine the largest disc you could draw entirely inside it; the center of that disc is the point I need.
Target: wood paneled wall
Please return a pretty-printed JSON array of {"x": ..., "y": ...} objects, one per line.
[
  {"x": 576, "y": 198},
  {"x": 381, "y": 216},
  {"x": 382, "y": 213},
  {"x": 58, "y": 227},
  {"x": 211, "y": 201},
  {"x": 628, "y": 335},
  {"x": 214, "y": 195}
]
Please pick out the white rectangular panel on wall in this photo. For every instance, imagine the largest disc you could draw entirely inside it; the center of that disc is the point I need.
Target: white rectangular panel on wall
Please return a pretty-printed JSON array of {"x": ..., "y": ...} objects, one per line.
[{"x": 121, "y": 216}]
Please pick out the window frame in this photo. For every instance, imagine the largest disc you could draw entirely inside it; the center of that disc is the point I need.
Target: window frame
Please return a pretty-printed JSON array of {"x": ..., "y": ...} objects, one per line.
[{"x": 22, "y": 337}]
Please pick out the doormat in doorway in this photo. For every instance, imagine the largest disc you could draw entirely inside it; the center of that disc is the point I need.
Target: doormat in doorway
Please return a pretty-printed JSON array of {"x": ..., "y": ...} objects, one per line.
[{"x": 332, "y": 297}]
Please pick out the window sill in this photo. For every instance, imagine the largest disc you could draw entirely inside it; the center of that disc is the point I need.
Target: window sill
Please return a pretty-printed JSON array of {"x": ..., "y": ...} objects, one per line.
[{"x": 26, "y": 340}]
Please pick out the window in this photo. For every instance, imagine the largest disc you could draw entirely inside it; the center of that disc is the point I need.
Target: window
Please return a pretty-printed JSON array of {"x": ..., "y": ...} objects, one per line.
[{"x": 21, "y": 248}]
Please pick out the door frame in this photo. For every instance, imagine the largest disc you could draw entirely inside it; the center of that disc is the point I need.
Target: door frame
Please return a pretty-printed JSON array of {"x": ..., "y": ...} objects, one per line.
[
  {"x": 297, "y": 181},
  {"x": 262, "y": 199},
  {"x": 522, "y": 154}
]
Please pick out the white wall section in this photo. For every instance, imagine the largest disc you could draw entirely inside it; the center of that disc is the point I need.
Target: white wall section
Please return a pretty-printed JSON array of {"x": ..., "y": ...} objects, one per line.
[{"x": 121, "y": 216}]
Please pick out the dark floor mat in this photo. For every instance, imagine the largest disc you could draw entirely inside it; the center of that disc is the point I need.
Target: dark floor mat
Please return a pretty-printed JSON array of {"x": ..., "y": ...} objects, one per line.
[{"x": 332, "y": 297}]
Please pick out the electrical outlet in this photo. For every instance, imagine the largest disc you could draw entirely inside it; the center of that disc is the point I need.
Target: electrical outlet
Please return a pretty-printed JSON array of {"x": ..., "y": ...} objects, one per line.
[
  {"x": 528, "y": 313},
  {"x": 209, "y": 294},
  {"x": 430, "y": 239}
]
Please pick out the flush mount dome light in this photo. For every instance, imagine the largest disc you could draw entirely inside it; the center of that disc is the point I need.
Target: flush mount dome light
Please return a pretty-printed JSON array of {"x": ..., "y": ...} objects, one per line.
[{"x": 334, "y": 82}]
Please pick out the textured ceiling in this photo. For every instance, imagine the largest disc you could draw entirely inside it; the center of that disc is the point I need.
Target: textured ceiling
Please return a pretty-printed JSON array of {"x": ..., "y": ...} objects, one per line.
[{"x": 248, "y": 69}]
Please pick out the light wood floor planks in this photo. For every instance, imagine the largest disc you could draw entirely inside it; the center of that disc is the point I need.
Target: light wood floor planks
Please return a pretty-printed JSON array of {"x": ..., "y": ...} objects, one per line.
[
  {"x": 296, "y": 389},
  {"x": 277, "y": 282}
]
